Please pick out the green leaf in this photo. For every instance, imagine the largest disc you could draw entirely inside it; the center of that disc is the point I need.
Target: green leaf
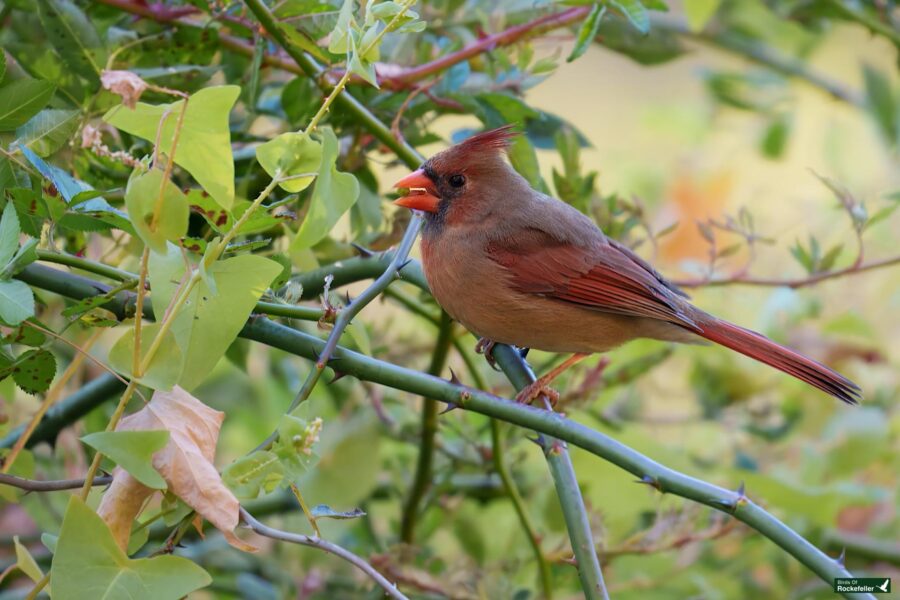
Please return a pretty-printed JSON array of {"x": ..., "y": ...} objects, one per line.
[
  {"x": 73, "y": 36},
  {"x": 587, "y": 32},
  {"x": 290, "y": 155},
  {"x": 25, "y": 561},
  {"x": 302, "y": 40},
  {"x": 882, "y": 104},
  {"x": 49, "y": 130},
  {"x": 16, "y": 302},
  {"x": 2, "y": 66},
  {"x": 775, "y": 138},
  {"x": 21, "y": 100},
  {"x": 141, "y": 197},
  {"x": 259, "y": 472},
  {"x": 634, "y": 11},
  {"x": 339, "y": 39},
  {"x": 204, "y": 147},
  {"x": 9, "y": 234},
  {"x": 333, "y": 194},
  {"x": 699, "y": 12},
  {"x": 295, "y": 445},
  {"x": 323, "y": 511},
  {"x": 165, "y": 367},
  {"x": 34, "y": 371},
  {"x": 89, "y": 564},
  {"x": 133, "y": 451},
  {"x": 209, "y": 322}
]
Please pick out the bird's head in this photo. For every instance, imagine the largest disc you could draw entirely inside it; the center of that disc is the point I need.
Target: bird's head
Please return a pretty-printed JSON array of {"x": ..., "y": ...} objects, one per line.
[{"x": 465, "y": 182}]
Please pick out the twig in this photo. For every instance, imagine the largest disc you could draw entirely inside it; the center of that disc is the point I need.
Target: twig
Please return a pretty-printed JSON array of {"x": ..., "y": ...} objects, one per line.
[
  {"x": 761, "y": 55},
  {"x": 422, "y": 480},
  {"x": 351, "y": 310},
  {"x": 791, "y": 283},
  {"x": 31, "y": 485},
  {"x": 319, "y": 543},
  {"x": 563, "y": 473},
  {"x": 67, "y": 411}
]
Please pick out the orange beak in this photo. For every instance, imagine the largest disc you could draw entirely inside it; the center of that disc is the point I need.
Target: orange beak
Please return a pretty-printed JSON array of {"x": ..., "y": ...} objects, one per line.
[{"x": 421, "y": 196}]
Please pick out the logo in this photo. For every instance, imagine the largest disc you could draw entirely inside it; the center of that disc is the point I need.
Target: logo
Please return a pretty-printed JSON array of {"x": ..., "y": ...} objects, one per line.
[{"x": 865, "y": 585}]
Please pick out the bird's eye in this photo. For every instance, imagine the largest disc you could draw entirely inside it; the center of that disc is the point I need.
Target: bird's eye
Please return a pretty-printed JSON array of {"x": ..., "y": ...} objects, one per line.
[{"x": 457, "y": 181}]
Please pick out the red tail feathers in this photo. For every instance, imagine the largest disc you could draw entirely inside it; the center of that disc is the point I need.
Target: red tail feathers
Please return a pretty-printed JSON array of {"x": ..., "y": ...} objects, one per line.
[{"x": 763, "y": 349}]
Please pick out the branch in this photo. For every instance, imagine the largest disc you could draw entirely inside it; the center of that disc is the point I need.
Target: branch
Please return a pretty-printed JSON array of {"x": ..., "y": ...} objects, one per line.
[
  {"x": 791, "y": 283},
  {"x": 406, "y": 77},
  {"x": 761, "y": 55},
  {"x": 319, "y": 543},
  {"x": 563, "y": 472},
  {"x": 422, "y": 480},
  {"x": 67, "y": 411},
  {"x": 864, "y": 546},
  {"x": 31, "y": 485},
  {"x": 370, "y": 369}
]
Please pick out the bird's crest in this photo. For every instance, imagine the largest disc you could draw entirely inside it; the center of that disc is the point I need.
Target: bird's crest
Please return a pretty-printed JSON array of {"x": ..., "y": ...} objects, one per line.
[{"x": 494, "y": 139}]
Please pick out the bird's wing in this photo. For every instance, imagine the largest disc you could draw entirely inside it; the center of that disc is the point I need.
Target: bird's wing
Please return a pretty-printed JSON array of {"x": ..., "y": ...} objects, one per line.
[{"x": 603, "y": 275}]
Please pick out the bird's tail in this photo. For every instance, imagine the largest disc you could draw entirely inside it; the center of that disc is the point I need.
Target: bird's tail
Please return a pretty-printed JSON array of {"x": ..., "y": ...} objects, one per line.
[{"x": 763, "y": 349}]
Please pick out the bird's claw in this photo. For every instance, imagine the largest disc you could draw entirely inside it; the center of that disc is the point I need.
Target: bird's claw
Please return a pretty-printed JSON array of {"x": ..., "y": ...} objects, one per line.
[
  {"x": 486, "y": 347},
  {"x": 535, "y": 390}
]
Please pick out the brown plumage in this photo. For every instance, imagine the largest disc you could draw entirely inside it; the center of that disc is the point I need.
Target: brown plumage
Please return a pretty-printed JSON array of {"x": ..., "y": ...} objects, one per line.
[{"x": 519, "y": 267}]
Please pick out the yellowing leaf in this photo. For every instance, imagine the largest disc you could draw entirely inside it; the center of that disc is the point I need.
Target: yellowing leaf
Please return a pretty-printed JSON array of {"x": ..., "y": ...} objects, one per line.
[
  {"x": 291, "y": 155},
  {"x": 186, "y": 463},
  {"x": 88, "y": 564},
  {"x": 133, "y": 451},
  {"x": 141, "y": 197},
  {"x": 25, "y": 562},
  {"x": 210, "y": 321},
  {"x": 204, "y": 147},
  {"x": 164, "y": 368},
  {"x": 333, "y": 195}
]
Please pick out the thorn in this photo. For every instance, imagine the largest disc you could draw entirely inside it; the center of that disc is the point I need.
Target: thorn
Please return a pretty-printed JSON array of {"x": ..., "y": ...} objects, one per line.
[
  {"x": 651, "y": 481},
  {"x": 537, "y": 440},
  {"x": 733, "y": 504},
  {"x": 347, "y": 298},
  {"x": 571, "y": 561},
  {"x": 362, "y": 250},
  {"x": 453, "y": 378},
  {"x": 840, "y": 559},
  {"x": 523, "y": 352},
  {"x": 403, "y": 266},
  {"x": 337, "y": 375},
  {"x": 450, "y": 407}
]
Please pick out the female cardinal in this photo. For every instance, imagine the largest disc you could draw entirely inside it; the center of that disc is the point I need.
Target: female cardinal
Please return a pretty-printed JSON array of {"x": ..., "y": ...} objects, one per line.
[{"x": 519, "y": 267}]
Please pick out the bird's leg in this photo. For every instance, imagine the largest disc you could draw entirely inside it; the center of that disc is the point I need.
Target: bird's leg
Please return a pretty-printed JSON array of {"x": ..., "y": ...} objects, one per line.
[
  {"x": 486, "y": 347},
  {"x": 542, "y": 384}
]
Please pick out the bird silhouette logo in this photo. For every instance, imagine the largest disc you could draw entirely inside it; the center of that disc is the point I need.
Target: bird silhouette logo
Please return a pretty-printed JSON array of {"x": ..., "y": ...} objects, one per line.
[{"x": 884, "y": 586}]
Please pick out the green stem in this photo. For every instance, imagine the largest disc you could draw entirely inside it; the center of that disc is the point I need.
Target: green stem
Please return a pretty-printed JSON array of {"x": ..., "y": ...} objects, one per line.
[
  {"x": 67, "y": 411},
  {"x": 561, "y": 469},
  {"x": 519, "y": 505},
  {"x": 422, "y": 479},
  {"x": 84, "y": 264}
]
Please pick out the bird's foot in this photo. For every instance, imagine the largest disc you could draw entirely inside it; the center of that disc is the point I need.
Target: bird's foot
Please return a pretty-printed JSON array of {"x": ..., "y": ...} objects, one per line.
[
  {"x": 535, "y": 390},
  {"x": 486, "y": 347},
  {"x": 541, "y": 386}
]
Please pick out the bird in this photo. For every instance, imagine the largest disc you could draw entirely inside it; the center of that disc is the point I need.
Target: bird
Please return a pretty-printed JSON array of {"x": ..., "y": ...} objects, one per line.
[{"x": 519, "y": 267}]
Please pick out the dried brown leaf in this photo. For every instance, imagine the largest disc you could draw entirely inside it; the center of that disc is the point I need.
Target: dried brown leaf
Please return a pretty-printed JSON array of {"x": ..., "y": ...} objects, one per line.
[
  {"x": 125, "y": 84},
  {"x": 186, "y": 463}
]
